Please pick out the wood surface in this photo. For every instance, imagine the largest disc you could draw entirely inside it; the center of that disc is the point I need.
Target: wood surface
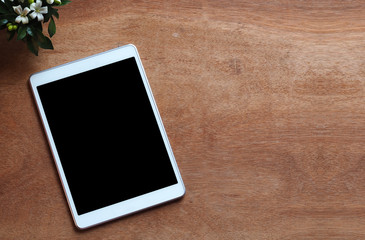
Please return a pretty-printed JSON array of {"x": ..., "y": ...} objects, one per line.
[{"x": 263, "y": 103}]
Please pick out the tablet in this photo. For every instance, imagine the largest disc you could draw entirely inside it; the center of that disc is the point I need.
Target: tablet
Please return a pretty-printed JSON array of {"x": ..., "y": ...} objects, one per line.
[{"x": 106, "y": 136}]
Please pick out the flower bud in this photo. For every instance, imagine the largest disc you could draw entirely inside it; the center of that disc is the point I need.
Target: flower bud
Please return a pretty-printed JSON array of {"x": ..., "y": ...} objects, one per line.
[
  {"x": 30, "y": 1},
  {"x": 58, "y": 2}
]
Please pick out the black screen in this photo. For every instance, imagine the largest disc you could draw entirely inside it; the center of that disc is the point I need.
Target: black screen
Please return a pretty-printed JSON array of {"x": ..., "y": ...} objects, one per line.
[{"x": 106, "y": 135}]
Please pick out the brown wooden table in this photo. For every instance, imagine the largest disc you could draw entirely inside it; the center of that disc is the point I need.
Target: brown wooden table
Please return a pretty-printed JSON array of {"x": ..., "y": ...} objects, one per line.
[{"x": 263, "y": 102}]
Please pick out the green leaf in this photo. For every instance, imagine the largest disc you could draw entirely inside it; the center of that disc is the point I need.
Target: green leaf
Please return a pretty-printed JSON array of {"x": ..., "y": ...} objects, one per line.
[
  {"x": 46, "y": 43},
  {"x": 22, "y": 32},
  {"x": 30, "y": 31},
  {"x": 55, "y": 13},
  {"x": 9, "y": 5},
  {"x": 51, "y": 12},
  {"x": 10, "y": 17},
  {"x": 3, "y": 22},
  {"x": 48, "y": 15},
  {"x": 37, "y": 26},
  {"x": 43, "y": 41},
  {"x": 51, "y": 27},
  {"x": 32, "y": 46},
  {"x": 3, "y": 8}
]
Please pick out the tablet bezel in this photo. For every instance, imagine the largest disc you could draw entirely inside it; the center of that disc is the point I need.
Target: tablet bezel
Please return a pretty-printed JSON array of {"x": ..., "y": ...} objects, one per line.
[{"x": 128, "y": 206}]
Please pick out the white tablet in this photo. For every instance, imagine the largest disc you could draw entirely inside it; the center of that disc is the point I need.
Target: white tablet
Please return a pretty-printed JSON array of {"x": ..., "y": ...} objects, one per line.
[{"x": 106, "y": 136}]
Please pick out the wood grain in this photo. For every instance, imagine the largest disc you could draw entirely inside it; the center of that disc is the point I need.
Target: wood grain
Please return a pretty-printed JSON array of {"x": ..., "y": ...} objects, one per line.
[{"x": 263, "y": 103}]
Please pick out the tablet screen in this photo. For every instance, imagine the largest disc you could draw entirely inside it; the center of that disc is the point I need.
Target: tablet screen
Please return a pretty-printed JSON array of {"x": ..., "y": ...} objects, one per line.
[{"x": 106, "y": 135}]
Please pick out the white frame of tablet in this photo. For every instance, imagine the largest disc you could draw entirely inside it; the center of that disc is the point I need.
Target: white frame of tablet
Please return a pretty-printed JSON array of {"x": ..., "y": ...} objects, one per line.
[{"x": 128, "y": 206}]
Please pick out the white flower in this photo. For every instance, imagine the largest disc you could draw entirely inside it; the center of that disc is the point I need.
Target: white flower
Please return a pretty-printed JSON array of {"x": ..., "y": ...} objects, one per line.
[
  {"x": 22, "y": 14},
  {"x": 50, "y": 1},
  {"x": 38, "y": 10}
]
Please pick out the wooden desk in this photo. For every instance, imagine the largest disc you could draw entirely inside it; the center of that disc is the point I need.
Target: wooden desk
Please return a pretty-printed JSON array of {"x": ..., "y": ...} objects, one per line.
[{"x": 263, "y": 102}]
